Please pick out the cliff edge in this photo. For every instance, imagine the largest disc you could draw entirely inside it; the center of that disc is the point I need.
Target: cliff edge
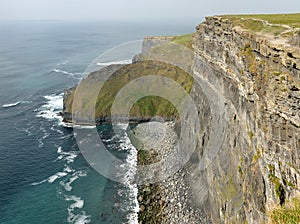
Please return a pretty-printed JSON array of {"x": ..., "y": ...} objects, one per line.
[{"x": 255, "y": 62}]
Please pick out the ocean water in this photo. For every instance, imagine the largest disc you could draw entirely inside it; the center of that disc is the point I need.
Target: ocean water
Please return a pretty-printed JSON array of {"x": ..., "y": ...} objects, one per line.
[{"x": 43, "y": 176}]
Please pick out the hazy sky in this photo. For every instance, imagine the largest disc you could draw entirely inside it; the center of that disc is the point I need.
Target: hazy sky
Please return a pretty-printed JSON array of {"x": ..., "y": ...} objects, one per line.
[{"x": 138, "y": 10}]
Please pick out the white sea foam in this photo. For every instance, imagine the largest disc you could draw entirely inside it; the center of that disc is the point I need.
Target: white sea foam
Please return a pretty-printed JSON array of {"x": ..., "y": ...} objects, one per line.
[
  {"x": 70, "y": 125},
  {"x": 52, "y": 178},
  {"x": 45, "y": 135},
  {"x": 78, "y": 201},
  {"x": 56, "y": 176},
  {"x": 59, "y": 150},
  {"x": 67, "y": 125},
  {"x": 69, "y": 74},
  {"x": 38, "y": 183},
  {"x": 128, "y": 178},
  {"x": 16, "y": 103},
  {"x": 66, "y": 156},
  {"x": 51, "y": 109},
  {"x": 11, "y": 104},
  {"x": 74, "y": 177},
  {"x": 68, "y": 169},
  {"x": 69, "y": 156},
  {"x": 66, "y": 186},
  {"x": 123, "y": 62},
  {"x": 82, "y": 217}
]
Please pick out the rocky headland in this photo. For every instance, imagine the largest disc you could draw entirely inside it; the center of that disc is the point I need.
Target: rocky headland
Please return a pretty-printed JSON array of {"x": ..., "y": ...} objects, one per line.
[{"x": 250, "y": 66}]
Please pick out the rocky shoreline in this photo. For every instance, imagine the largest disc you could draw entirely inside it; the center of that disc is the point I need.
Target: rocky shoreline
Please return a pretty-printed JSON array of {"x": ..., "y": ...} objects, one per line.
[{"x": 168, "y": 201}]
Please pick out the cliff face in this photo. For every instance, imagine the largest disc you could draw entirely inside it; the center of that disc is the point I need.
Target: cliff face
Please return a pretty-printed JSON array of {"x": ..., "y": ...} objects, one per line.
[
  {"x": 254, "y": 82},
  {"x": 258, "y": 165}
]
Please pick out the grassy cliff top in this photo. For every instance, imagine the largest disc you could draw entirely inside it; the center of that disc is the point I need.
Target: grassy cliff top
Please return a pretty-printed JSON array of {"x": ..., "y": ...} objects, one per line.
[
  {"x": 146, "y": 107},
  {"x": 185, "y": 40},
  {"x": 275, "y": 24},
  {"x": 292, "y": 20}
]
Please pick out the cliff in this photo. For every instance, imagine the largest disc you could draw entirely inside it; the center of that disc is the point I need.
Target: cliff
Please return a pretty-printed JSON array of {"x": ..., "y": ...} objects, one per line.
[
  {"x": 250, "y": 66},
  {"x": 257, "y": 71}
]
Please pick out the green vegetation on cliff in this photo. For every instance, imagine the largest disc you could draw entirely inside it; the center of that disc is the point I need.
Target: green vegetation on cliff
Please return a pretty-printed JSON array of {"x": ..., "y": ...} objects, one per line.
[
  {"x": 145, "y": 107},
  {"x": 275, "y": 24},
  {"x": 288, "y": 214},
  {"x": 283, "y": 19},
  {"x": 185, "y": 40}
]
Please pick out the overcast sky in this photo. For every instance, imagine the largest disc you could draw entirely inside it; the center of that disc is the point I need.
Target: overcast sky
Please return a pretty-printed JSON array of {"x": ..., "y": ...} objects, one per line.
[{"x": 137, "y": 10}]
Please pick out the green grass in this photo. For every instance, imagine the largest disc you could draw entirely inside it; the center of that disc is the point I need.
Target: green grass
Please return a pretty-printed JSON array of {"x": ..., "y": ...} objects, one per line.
[
  {"x": 185, "y": 40},
  {"x": 292, "y": 20},
  {"x": 173, "y": 52},
  {"x": 248, "y": 22},
  {"x": 146, "y": 107},
  {"x": 287, "y": 214},
  {"x": 277, "y": 185}
]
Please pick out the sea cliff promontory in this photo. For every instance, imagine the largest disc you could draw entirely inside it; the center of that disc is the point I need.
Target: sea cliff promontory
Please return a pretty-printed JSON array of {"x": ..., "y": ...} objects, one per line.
[{"x": 254, "y": 64}]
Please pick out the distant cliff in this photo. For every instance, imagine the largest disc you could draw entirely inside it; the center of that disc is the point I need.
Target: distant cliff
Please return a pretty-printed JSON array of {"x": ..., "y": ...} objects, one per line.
[{"x": 143, "y": 110}]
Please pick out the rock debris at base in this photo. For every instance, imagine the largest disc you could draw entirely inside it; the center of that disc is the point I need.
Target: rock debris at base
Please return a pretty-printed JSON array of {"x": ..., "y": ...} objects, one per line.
[{"x": 167, "y": 201}]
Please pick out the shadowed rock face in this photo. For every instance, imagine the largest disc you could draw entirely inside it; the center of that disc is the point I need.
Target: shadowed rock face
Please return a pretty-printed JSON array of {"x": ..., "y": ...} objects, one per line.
[{"x": 257, "y": 166}]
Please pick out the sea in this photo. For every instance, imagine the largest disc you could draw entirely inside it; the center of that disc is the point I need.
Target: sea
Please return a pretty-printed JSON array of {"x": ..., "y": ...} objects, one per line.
[{"x": 43, "y": 176}]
